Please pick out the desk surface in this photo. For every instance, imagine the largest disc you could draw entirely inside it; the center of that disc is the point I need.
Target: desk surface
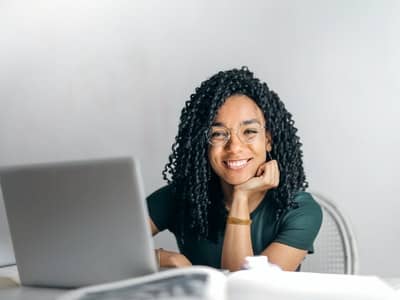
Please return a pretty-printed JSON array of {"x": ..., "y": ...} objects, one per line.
[{"x": 11, "y": 289}]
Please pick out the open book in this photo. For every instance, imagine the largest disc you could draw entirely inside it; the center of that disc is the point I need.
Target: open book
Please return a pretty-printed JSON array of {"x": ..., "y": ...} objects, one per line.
[
  {"x": 185, "y": 283},
  {"x": 207, "y": 283}
]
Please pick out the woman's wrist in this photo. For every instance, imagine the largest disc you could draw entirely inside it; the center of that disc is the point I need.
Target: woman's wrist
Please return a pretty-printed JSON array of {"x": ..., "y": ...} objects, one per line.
[
  {"x": 238, "y": 221},
  {"x": 158, "y": 256},
  {"x": 239, "y": 195},
  {"x": 239, "y": 207}
]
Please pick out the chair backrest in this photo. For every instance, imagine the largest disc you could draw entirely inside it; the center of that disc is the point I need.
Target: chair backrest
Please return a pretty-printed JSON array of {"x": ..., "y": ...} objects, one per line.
[{"x": 335, "y": 249}]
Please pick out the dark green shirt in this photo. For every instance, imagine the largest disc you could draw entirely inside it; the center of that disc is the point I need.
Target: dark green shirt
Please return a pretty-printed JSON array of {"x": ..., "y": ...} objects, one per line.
[{"x": 295, "y": 227}]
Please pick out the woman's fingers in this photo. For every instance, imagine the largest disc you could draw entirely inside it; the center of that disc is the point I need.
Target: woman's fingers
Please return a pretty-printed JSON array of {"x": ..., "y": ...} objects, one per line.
[
  {"x": 266, "y": 177},
  {"x": 172, "y": 259},
  {"x": 277, "y": 174},
  {"x": 271, "y": 174},
  {"x": 260, "y": 170}
]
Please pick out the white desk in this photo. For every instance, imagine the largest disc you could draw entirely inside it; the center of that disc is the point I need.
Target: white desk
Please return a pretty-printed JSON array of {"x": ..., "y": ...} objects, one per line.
[
  {"x": 25, "y": 293},
  {"x": 11, "y": 289},
  {"x": 393, "y": 282}
]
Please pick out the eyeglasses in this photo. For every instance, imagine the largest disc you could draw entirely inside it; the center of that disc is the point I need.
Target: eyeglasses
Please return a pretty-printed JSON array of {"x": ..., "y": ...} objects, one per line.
[{"x": 247, "y": 134}]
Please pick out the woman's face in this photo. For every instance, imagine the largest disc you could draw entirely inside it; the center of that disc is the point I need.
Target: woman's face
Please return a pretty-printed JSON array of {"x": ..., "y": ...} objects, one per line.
[{"x": 236, "y": 161}]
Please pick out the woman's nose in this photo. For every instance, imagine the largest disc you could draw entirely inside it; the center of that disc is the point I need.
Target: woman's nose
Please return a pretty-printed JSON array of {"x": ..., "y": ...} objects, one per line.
[{"x": 234, "y": 143}]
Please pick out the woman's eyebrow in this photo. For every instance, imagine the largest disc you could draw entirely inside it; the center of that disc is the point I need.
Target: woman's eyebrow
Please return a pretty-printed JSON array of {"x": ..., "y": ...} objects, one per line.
[
  {"x": 251, "y": 121},
  {"x": 218, "y": 124},
  {"x": 245, "y": 122}
]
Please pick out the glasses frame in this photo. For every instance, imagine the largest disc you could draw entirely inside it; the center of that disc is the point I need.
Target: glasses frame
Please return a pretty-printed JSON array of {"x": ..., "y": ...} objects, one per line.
[{"x": 230, "y": 135}]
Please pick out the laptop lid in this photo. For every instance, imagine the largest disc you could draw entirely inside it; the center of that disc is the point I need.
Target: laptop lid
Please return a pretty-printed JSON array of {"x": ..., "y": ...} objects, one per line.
[{"x": 78, "y": 223}]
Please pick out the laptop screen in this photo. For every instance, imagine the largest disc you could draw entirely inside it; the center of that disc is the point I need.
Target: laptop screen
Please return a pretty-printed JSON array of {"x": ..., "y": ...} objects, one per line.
[{"x": 78, "y": 223}]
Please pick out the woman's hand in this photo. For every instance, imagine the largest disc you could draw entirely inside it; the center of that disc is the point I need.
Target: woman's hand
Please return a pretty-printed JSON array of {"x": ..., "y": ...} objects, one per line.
[
  {"x": 169, "y": 259},
  {"x": 246, "y": 196},
  {"x": 266, "y": 178}
]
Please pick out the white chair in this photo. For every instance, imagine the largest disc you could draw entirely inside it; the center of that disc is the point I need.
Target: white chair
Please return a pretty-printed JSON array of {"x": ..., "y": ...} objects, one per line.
[{"x": 335, "y": 248}]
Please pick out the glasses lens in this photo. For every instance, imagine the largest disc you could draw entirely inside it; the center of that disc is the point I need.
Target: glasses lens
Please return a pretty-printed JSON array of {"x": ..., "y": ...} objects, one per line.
[
  {"x": 218, "y": 135},
  {"x": 249, "y": 133}
]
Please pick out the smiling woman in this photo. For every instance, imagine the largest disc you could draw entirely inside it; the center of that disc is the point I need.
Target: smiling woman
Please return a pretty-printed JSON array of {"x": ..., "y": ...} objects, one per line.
[{"x": 236, "y": 184}]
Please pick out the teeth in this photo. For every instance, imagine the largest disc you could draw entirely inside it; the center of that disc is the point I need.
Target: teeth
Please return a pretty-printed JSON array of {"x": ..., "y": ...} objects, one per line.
[{"x": 236, "y": 164}]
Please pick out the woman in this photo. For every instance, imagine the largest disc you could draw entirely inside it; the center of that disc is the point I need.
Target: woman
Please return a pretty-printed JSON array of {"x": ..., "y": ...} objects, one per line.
[{"x": 235, "y": 180}]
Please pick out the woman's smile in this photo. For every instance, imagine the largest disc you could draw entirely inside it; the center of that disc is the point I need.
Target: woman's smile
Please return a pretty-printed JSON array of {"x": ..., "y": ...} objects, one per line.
[{"x": 236, "y": 164}]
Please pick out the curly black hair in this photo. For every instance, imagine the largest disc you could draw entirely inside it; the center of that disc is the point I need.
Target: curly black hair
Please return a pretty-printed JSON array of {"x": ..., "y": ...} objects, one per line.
[{"x": 200, "y": 210}]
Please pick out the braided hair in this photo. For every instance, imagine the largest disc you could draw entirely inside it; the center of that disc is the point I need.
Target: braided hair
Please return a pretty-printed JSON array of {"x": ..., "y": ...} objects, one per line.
[{"x": 200, "y": 209}]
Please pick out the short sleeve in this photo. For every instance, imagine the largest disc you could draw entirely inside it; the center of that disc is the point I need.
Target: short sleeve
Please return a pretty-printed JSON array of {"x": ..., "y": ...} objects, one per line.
[
  {"x": 299, "y": 227},
  {"x": 161, "y": 206}
]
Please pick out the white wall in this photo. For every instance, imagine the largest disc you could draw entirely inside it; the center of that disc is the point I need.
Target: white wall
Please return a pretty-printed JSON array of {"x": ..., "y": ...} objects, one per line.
[{"x": 101, "y": 78}]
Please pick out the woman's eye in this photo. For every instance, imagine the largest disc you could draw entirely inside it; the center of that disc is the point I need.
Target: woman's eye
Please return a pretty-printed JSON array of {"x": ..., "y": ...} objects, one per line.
[
  {"x": 250, "y": 131},
  {"x": 218, "y": 134}
]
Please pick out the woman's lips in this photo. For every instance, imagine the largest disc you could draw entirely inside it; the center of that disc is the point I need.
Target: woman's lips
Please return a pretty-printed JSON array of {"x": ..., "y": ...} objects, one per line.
[{"x": 236, "y": 164}]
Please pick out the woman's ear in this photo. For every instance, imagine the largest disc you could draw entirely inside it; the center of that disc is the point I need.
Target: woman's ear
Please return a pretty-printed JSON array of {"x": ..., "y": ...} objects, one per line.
[{"x": 268, "y": 141}]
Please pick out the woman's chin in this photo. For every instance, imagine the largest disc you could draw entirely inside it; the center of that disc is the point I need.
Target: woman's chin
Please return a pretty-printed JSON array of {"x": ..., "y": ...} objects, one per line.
[{"x": 236, "y": 180}]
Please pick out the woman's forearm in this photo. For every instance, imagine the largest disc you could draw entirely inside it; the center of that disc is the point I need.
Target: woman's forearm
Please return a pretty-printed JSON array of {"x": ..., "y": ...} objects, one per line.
[{"x": 237, "y": 242}]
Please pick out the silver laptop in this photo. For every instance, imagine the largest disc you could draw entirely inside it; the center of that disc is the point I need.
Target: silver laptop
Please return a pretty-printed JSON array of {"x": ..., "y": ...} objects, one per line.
[{"x": 78, "y": 223}]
